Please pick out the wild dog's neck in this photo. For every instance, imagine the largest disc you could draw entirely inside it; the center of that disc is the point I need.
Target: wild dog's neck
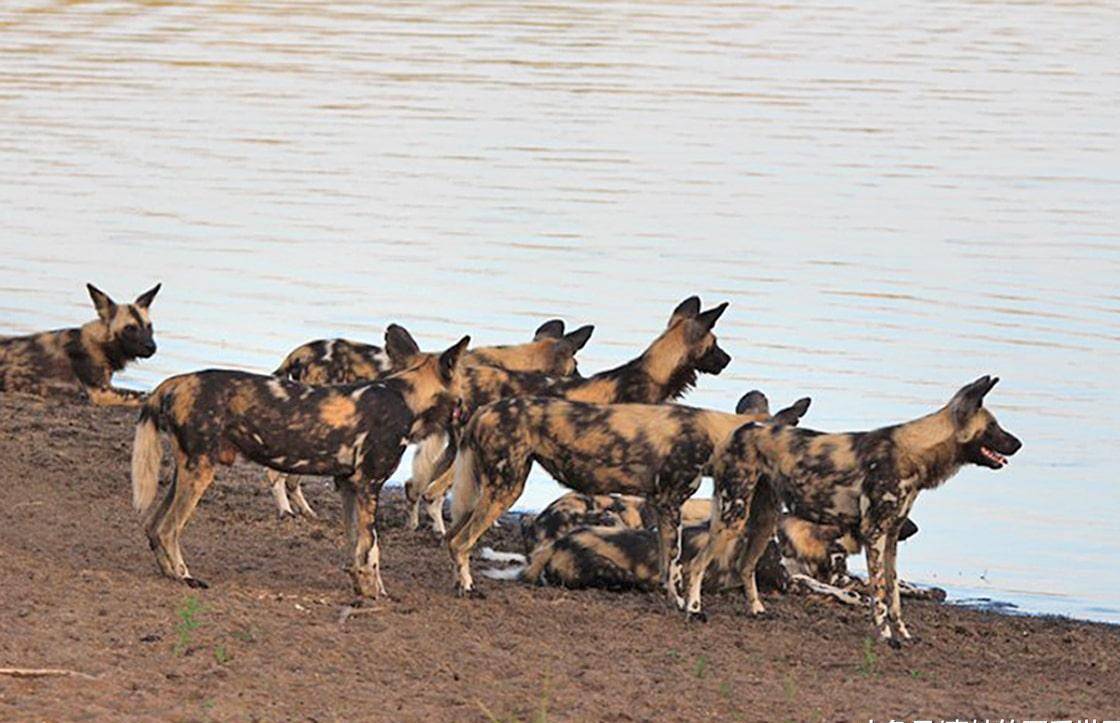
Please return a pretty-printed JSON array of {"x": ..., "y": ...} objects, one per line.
[
  {"x": 720, "y": 425},
  {"x": 100, "y": 339},
  {"x": 660, "y": 374},
  {"x": 927, "y": 450}
]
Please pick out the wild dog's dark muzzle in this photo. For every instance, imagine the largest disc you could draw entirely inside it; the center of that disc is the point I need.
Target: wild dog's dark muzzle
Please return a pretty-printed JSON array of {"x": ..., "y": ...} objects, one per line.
[
  {"x": 996, "y": 446},
  {"x": 714, "y": 361}
]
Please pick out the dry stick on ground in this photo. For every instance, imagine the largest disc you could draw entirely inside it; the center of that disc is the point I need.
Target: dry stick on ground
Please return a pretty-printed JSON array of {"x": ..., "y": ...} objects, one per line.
[{"x": 44, "y": 673}]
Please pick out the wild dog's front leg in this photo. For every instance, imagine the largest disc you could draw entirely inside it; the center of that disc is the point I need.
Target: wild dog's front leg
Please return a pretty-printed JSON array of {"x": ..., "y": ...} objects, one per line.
[
  {"x": 277, "y": 482},
  {"x": 293, "y": 484},
  {"x": 891, "y": 568},
  {"x": 366, "y": 571},
  {"x": 669, "y": 549},
  {"x": 112, "y": 397},
  {"x": 877, "y": 584}
]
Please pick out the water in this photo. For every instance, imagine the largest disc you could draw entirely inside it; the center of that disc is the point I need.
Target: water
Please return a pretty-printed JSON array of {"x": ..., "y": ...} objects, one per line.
[{"x": 895, "y": 197}]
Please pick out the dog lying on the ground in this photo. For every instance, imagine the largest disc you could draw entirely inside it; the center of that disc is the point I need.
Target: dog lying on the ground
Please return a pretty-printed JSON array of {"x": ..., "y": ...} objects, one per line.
[
  {"x": 864, "y": 483},
  {"x": 659, "y": 452},
  {"x": 81, "y": 361},
  {"x": 355, "y": 433},
  {"x": 341, "y": 361},
  {"x": 664, "y": 371}
]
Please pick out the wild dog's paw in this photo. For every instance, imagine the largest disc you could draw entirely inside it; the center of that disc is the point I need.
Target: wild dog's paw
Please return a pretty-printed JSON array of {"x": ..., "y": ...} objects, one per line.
[
  {"x": 697, "y": 617},
  {"x": 197, "y": 584},
  {"x": 469, "y": 593}
]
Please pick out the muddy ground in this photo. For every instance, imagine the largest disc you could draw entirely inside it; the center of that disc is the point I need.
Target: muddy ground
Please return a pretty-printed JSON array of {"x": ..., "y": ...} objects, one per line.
[{"x": 79, "y": 591}]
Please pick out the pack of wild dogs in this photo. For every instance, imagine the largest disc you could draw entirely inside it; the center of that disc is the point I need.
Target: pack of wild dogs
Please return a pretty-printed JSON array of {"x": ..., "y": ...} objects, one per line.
[{"x": 789, "y": 504}]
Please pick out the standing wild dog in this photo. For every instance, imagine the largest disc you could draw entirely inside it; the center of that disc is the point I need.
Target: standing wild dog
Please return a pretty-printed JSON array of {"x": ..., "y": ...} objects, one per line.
[
  {"x": 83, "y": 360},
  {"x": 355, "y": 433},
  {"x": 657, "y": 451},
  {"x": 574, "y": 509},
  {"x": 863, "y": 482},
  {"x": 341, "y": 361},
  {"x": 664, "y": 371}
]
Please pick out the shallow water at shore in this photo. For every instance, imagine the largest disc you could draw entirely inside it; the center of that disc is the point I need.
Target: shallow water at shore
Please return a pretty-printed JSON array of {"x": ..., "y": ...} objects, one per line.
[{"x": 895, "y": 198}]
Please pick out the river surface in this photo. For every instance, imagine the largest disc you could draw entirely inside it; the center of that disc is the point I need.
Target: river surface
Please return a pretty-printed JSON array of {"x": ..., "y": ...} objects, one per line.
[{"x": 895, "y": 197}]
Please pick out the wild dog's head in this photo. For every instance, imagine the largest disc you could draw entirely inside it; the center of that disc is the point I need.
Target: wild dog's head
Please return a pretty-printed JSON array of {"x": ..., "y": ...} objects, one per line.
[
  {"x": 980, "y": 439},
  {"x": 425, "y": 381},
  {"x": 686, "y": 347},
  {"x": 755, "y": 403},
  {"x": 550, "y": 352},
  {"x": 126, "y": 327}
]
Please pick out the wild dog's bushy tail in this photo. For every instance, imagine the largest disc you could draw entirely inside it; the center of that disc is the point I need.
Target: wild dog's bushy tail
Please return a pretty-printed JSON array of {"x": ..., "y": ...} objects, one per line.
[
  {"x": 464, "y": 492},
  {"x": 147, "y": 453}
]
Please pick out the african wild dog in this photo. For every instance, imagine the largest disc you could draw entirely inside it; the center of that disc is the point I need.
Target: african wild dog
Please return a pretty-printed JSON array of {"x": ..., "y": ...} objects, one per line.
[
  {"x": 355, "y": 433},
  {"x": 341, "y": 361},
  {"x": 574, "y": 509},
  {"x": 81, "y": 361},
  {"x": 664, "y": 371},
  {"x": 863, "y": 482},
  {"x": 657, "y": 451}
]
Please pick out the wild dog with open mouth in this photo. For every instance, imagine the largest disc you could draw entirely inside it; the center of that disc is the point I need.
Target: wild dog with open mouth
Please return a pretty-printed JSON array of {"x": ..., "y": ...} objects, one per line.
[
  {"x": 665, "y": 370},
  {"x": 575, "y": 509},
  {"x": 341, "y": 361},
  {"x": 863, "y": 482},
  {"x": 355, "y": 433},
  {"x": 82, "y": 361},
  {"x": 657, "y": 451}
]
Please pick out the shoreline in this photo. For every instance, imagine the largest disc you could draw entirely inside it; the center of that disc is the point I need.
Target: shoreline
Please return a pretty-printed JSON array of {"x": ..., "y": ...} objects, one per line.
[{"x": 83, "y": 595}]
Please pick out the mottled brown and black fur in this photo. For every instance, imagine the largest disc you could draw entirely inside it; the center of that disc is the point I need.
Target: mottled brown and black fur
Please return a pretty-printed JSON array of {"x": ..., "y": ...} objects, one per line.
[
  {"x": 664, "y": 371},
  {"x": 341, "y": 361},
  {"x": 354, "y": 433},
  {"x": 658, "y": 452},
  {"x": 864, "y": 483},
  {"x": 81, "y": 361}
]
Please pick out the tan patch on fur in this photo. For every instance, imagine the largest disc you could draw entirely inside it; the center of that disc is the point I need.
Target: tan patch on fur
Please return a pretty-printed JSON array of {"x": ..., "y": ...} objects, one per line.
[
  {"x": 599, "y": 391},
  {"x": 534, "y": 356},
  {"x": 667, "y": 352},
  {"x": 243, "y": 399},
  {"x": 184, "y": 392},
  {"x": 337, "y": 411},
  {"x": 696, "y": 510},
  {"x": 807, "y": 539}
]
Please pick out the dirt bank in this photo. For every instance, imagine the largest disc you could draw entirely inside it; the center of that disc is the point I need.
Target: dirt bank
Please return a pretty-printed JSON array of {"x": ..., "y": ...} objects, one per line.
[{"x": 79, "y": 591}]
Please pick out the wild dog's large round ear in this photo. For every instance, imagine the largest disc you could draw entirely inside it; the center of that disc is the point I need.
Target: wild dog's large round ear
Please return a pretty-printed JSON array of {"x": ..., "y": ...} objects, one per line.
[
  {"x": 101, "y": 302},
  {"x": 687, "y": 309},
  {"x": 450, "y": 358},
  {"x": 578, "y": 338},
  {"x": 968, "y": 400},
  {"x": 792, "y": 414},
  {"x": 753, "y": 402},
  {"x": 145, "y": 300},
  {"x": 399, "y": 345},
  {"x": 551, "y": 329}
]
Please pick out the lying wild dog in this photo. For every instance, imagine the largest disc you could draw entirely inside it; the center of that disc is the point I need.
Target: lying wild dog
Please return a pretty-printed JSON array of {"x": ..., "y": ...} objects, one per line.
[
  {"x": 81, "y": 361},
  {"x": 579, "y": 510},
  {"x": 355, "y": 433},
  {"x": 341, "y": 361},
  {"x": 657, "y": 451},
  {"x": 863, "y": 482},
  {"x": 664, "y": 371}
]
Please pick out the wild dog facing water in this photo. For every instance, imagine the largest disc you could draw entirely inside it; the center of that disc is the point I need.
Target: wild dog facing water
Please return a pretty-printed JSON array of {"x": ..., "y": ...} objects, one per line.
[
  {"x": 665, "y": 370},
  {"x": 82, "y": 361},
  {"x": 354, "y": 433},
  {"x": 864, "y": 482},
  {"x": 341, "y": 361},
  {"x": 657, "y": 451}
]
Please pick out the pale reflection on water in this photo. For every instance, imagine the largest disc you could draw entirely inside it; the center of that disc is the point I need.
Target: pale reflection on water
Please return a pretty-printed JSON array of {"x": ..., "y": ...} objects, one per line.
[{"x": 895, "y": 197}]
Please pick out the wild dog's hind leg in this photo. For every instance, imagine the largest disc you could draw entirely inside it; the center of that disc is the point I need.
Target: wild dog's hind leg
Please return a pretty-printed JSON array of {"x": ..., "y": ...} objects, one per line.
[
  {"x": 294, "y": 485},
  {"x": 277, "y": 482},
  {"x": 191, "y": 482},
  {"x": 669, "y": 550},
  {"x": 762, "y": 524},
  {"x": 432, "y": 499},
  {"x": 151, "y": 528},
  {"x": 366, "y": 572}
]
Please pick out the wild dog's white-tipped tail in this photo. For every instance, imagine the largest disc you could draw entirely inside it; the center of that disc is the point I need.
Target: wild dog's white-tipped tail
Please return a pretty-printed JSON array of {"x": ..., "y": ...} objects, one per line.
[
  {"x": 503, "y": 573},
  {"x": 491, "y": 555},
  {"x": 147, "y": 453},
  {"x": 464, "y": 493}
]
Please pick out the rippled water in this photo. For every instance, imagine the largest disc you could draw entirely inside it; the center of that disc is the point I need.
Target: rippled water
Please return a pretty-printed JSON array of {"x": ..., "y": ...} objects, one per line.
[{"x": 895, "y": 197}]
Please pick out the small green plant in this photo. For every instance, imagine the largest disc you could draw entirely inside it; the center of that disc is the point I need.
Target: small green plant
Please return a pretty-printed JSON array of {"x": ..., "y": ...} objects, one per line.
[
  {"x": 790, "y": 688},
  {"x": 221, "y": 655},
  {"x": 246, "y": 635},
  {"x": 188, "y": 622},
  {"x": 725, "y": 689},
  {"x": 869, "y": 664},
  {"x": 701, "y": 666}
]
